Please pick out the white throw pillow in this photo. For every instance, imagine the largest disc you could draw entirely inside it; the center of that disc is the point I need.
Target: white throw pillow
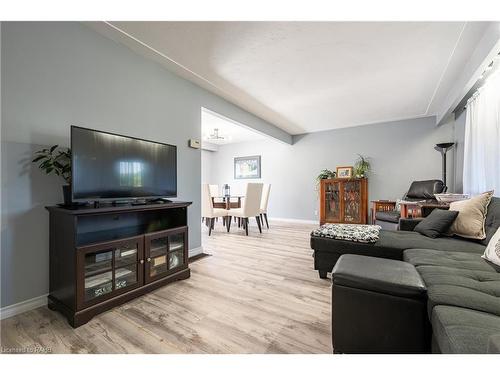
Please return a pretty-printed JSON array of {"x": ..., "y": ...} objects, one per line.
[{"x": 492, "y": 252}]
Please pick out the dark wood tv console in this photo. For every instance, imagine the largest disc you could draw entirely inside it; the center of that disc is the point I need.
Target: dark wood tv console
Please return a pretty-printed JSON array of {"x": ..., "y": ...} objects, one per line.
[{"x": 103, "y": 257}]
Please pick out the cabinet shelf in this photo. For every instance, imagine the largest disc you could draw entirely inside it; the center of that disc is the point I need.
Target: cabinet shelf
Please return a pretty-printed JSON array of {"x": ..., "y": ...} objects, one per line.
[
  {"x": 97, "y": 272},
  {"x": 108, "y": 235}
]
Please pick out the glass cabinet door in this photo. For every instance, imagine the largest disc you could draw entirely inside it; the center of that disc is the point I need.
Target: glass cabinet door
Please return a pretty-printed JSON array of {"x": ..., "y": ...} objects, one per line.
[
  {"x": 176, "y": 251},
  {"x": 157, "y": 257},
  {"x": 98, "y": 277},
  {"x": 165, "y": 252},
  {"x": 126, "y": 265},
  {"x": 352, "y": 201},
  {"x": 332, "y": 207},
  {"x": 108, "y": 269}
]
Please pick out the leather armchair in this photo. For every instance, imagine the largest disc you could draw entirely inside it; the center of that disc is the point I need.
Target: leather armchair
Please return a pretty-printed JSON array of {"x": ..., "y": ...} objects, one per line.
[
  {"x": 424, "y": 190},
  {"x": 418, "y": 191}
]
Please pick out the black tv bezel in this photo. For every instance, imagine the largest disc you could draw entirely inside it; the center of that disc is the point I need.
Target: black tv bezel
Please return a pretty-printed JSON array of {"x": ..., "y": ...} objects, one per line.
[{"x": 118, "y": 199}]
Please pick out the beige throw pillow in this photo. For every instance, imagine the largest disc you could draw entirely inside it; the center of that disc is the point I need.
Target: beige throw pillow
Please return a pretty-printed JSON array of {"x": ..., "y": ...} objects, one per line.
[
  {"x": 492, "y": 252},
  {"x": 471, "y": 216}
]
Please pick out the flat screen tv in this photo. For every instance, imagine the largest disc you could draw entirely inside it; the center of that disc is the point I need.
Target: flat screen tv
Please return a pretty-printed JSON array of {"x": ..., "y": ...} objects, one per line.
[{"x": 108, "y": 166}]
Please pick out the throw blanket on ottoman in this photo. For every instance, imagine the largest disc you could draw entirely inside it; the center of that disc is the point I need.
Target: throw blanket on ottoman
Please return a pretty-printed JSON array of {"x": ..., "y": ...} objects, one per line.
[{"x": 349, "y": 232}]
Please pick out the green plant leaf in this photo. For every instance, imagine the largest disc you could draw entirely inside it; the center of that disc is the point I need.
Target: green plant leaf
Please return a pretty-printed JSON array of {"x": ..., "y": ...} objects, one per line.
[
  {"x": 55, "y": 161},
  {"x": 38, "y": 158},
  {"x": 45, "y": 164}
]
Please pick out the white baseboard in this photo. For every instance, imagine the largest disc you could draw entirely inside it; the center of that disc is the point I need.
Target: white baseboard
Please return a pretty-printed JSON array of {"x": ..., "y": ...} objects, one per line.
[
  {"x": 298, "y": 221},
  {"x": 33, "y": 303},
  {"x": 19, "y": 308},
  {"x": 195, "y": 251}
]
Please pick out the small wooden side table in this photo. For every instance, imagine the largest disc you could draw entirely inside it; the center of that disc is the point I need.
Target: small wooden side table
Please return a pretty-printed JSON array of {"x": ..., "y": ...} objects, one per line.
[
  {"x": 419, "y": 209},
  {"x": 410, "y": 210},
  {"x": 427, "y": 207},
  {"x": 381, "y": 205}
]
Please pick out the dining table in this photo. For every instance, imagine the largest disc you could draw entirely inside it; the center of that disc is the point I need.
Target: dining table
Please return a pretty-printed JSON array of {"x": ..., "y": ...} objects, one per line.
[{"x": 227, "y": 202}]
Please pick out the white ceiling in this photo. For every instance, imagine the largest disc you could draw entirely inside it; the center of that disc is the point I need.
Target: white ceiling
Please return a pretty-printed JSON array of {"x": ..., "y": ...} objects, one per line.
[
  {"x": 313, "y": 76},
  {"x": 229, "y": 129}
]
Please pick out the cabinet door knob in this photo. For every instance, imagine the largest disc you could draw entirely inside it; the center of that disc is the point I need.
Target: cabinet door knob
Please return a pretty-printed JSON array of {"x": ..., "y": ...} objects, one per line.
[
  {"x": 149, "y": 259},
  {"x": 142, "y": 261}
]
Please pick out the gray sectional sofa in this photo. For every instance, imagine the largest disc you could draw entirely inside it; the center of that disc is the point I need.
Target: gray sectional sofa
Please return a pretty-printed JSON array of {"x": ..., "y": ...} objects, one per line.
[
  {"x": 463, "y": 289},
  {"x": 463, "y": 298}
]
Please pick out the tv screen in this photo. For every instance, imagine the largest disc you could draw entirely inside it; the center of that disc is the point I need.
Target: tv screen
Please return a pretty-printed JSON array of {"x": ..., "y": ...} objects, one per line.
[{"x": 108, "y": 166}]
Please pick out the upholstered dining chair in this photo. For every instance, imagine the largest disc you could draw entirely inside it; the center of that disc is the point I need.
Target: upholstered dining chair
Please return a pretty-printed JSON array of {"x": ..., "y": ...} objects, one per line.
[
  {"x": 214, "y": 190},
  {"x": 266, "y": 189},
  {"x": 249, "y": 208},
  {"x": 208, "y": 212}
]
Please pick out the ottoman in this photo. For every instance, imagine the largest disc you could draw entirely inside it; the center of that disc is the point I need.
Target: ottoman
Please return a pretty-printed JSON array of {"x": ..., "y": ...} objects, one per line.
[{"x": 378, "y": 306}]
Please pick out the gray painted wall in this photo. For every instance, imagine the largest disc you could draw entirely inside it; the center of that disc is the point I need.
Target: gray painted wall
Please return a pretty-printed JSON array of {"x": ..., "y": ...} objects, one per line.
[
  {"x": 58, "y": 74},
  {"x": 400, "y": 151},
  {"x": 206, "y": 166}
]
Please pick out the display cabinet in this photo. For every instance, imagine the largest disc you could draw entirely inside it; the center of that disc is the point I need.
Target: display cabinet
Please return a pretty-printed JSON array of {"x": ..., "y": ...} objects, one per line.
[{"x": 344, "y": 200}]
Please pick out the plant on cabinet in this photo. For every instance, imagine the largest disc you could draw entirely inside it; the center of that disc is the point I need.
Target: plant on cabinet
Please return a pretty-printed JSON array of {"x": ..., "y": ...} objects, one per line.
[{"x": 56, "y": 161}]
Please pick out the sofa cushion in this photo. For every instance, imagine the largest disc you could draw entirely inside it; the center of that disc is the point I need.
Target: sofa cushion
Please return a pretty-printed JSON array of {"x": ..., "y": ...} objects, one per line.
[
  {"x": 473, "y": 289},
  {"x": 470, "y": 222},
  {"x": 390, "y": 216},
  {"x": 391, "y": 245},
  {"x": 475, "y": 279},
  {"x": 452, "y": 259},
  {"x": 459, "y": 331},
  {"x": 437, "y": 223},
  {"x": 457, "y": 279},
  {"x": 487, "y": 299},
  {"x": 412, "y": 240}
]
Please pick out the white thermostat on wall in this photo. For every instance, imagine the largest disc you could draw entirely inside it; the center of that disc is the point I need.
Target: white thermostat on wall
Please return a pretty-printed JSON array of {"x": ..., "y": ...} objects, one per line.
[{"x": 194, "y": 143}]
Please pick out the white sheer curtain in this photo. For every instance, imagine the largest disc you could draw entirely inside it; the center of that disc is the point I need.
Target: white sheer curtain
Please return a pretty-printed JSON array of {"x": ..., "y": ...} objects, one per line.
[{"x": 482, "y": 139}]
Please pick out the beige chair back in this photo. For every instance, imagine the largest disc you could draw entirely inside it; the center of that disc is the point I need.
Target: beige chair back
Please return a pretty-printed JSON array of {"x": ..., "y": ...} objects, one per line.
[
  {"x": 266, "y": 189},
  {"x": 207, "y": 208},
  {"x": 214, "y": 190},
  {"x": 251, "y": 203}
]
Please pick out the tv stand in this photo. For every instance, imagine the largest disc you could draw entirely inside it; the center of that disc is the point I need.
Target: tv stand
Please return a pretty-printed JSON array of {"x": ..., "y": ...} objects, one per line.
[{"x": 102, "y": 257}]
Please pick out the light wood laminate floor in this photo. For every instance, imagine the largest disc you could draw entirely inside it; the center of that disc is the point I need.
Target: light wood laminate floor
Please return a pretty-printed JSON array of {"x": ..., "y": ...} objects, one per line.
[{"x": 256, "y": 294}]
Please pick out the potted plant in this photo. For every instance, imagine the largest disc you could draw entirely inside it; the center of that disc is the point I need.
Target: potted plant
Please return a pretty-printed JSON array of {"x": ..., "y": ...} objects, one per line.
[
  {"x": 362, "y": 166},
  {"x": 56, "y": 161},
  {"x": 324, "y": 174}
]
